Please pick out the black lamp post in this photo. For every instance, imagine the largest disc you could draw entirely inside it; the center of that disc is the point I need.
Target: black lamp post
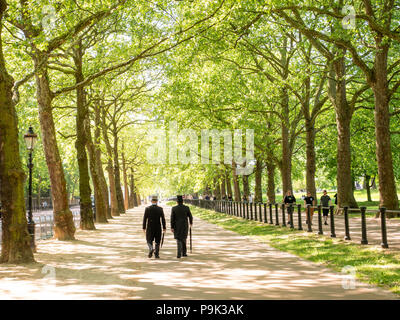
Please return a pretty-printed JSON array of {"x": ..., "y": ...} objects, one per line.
[{"x": 30, "y": 141}]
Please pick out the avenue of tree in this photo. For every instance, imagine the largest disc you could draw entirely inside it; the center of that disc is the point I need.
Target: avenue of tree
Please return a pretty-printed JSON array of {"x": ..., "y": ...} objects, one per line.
[{"x": 318, "y": 82}]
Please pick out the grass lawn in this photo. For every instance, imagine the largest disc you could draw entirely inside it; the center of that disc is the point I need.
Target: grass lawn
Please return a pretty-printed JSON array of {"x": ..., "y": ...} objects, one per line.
[{"x": 373, "y": 265}]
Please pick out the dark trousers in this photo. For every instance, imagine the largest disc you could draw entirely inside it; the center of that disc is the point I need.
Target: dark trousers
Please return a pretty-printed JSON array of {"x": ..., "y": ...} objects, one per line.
[
  {"x": 181, "y": 247},
  {"x": 157, "y": 249}
]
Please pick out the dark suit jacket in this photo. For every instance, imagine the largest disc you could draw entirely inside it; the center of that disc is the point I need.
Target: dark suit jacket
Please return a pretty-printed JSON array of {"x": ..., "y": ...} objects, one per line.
[
  {"x": 179, "y": 221},
  {"x": 153, "y": 217}
]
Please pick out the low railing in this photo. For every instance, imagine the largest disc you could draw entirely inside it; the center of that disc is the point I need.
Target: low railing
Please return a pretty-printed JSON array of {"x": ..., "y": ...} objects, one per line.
[
  {"x": 44, "y": 225},
  {"x": 46, "y": 203},
  {"x": 274, "y": 214}
]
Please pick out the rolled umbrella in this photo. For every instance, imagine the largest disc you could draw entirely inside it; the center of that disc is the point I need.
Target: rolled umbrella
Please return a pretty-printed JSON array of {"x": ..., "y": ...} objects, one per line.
[
  {"x": 190, "y": 232},
  {"x": 162, "y": 239}
]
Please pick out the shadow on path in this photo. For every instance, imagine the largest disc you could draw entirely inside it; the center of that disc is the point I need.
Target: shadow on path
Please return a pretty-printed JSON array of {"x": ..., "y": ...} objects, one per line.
[{"x": 112, "y": 263}]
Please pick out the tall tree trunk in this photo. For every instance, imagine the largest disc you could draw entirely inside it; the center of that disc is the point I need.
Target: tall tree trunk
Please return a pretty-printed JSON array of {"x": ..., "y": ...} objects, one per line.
[
  {"x": 380, "y": 87},
  {"x": 258, "y": 180},
  {"x": 110, "y": 168},
  {"x": 222, "y": 182},
  {"x": 236, "y": 187},
  {"x": 15, "y": 246},
  {"x": 310, "y": 157},
  {"x": 98, "y": 161},
  {"x": 344, "y": 113},
  {"x": 113, "y": 192},
  {"x": 286, "y": 163},
  {"x": 86, "y": 212},
  {"x": 64, "y": 228},
  {"x": 228, "y": 183},
  {"x": 246, "y": 189},
  {"x": 132, "y": 196},
  {"x": 138, "y": 198},
  {"x": 117, "y": 173},
  {"x": 217, "y": 189},
  {"x": 271, "y": 182},
  {"x": 125, "y": 177},
  {"x": 101, "y": 202}
]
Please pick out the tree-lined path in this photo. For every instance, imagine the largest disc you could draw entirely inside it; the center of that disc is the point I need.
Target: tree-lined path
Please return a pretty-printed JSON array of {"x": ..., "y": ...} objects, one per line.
[{"x": 111, "y": 263}]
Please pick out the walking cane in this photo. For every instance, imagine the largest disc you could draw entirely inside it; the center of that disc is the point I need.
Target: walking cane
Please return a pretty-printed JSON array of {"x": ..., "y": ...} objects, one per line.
[
  {"x": 190, "y": 232},
  {"x": 162, "y": 239}
]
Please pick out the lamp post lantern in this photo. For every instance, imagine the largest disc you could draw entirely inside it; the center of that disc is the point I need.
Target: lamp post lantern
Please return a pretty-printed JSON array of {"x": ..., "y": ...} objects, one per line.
[{"x": 30, "y": 140}]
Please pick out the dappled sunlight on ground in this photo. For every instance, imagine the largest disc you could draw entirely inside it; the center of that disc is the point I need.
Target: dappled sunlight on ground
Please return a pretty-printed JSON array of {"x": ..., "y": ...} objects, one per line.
[{"x": 112, "y": 263}]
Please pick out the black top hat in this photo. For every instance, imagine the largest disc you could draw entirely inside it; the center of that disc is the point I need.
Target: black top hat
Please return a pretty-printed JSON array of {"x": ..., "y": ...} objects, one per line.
[{"x": 179, "y": 198}]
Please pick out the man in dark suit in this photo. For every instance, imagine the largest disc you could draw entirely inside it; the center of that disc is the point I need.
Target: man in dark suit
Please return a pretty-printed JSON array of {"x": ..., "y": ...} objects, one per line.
[
  {"x": 153, "y": 217},
  {"x": 180, "y": 226}
]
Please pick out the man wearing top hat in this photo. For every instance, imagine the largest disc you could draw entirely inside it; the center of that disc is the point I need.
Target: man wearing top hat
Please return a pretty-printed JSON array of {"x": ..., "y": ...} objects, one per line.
[
  {"x": 180, "y": 226},
  {"x": 153, "y": 217}
]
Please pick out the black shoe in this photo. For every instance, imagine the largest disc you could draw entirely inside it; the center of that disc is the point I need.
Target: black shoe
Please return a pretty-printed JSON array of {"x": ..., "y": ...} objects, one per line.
[
  {"x": 157, "y": 256},
  {"x": 184, "y": 255},
  {"x": 326, "y": 223},
  {"x": 151, "y": 253},
  {"x": 178, "y": 257}
]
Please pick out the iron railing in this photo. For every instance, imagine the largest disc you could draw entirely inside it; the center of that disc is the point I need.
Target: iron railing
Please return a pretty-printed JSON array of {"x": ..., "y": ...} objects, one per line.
[
  {"x": 44, "y": 225},
  {"x": 275, "y": 214}
]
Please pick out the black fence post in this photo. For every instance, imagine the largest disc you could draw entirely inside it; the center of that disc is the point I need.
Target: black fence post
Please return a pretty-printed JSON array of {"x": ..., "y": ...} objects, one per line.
[
  {"x": 309, "y": 228},
  {"x": 247, "y": 211},
  {"x": 251, "y": 211},
  {"x": 265, "y": 213},
  {"x": 346, "y": 223},
  {"x": 255, "y": 211},
  {"x": 270, "y": 214},
  {"x": 364, "y": 239},
  {"x": 291, "y": 216},
  {"x": 299, "y": 217},
  {"x": 333, "y": 234},
  {"x": 283, "y": 216},
  {"x": 320, "y": 230},
  {"x": 384, "y": 243},
  {"x": 276, "y": 215},
  {"x": 240, "y": 208}
]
